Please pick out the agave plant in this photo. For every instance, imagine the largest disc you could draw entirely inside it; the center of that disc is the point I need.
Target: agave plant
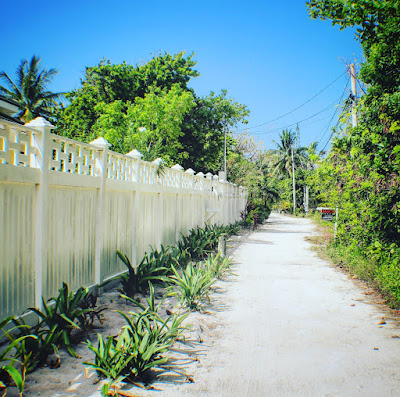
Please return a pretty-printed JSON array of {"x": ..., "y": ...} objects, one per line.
[{"x": 192, "y": 286}]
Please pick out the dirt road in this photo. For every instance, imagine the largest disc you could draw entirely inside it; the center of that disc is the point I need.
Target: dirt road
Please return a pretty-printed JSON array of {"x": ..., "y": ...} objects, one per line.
[{"x": 290, "y": 324}]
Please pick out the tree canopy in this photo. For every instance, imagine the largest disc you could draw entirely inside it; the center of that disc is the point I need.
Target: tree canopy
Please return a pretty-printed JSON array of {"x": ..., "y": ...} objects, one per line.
[
  {"x": 361, "y": 174},
  {"x": 30, "y": 90},
  {"x": 151, "y": 108}
]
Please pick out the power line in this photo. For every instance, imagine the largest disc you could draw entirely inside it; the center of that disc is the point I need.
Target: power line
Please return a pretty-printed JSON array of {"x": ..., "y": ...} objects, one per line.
[
  {"x": 333, "y": 131},
  {"x": 334, "y": 114},
  {"x": 298, "y": 107},
  {"x": 337, "y": 123},
  {"x": 301, "y": 121}
]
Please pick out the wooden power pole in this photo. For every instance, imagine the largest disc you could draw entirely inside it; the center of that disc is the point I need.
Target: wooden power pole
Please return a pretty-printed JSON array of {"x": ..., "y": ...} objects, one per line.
[
  {"x": 354, "y": 95},
  {"x": 294, "y": 183}
]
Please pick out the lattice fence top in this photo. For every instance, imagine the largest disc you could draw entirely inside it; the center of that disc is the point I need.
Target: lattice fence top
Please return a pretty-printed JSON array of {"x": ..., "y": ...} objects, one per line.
[
  {"x": 67, "y": 155},
  {"x": 21, "y": 146},
  {"x": 16, "y": 144}
]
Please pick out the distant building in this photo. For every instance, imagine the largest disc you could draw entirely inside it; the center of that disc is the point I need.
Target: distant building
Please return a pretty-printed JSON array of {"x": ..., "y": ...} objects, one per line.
[{"x": 8, "y": 108}]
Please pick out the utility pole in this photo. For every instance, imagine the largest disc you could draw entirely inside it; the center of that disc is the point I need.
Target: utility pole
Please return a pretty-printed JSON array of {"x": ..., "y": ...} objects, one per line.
[
  {"x": 225, "y": 150},
  {"x": 222, "y": 173},
  {"x": 294, "y": 178},
  {"x": 294, "y": 182},
  {"x": 354, "y": 95},
  {"x": 306, "y": 198}
]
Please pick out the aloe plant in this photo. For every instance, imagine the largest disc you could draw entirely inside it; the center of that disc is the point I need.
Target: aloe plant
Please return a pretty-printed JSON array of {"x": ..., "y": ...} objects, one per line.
[{"x": 192, "y": 286}]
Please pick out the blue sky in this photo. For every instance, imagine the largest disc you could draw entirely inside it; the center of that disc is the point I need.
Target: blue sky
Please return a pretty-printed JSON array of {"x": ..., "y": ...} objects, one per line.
[{"x": 269, "y": 56}]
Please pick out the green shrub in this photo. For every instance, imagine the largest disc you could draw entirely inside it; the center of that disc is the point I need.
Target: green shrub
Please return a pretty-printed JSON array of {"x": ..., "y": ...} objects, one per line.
[
  {"x": 62, "y": 315},
  {"x": 137, "y": 278},
  {"x": 192, "y": 286},
  {"x": 9, "y": 356},
  {"x": 216, "y": 266}
]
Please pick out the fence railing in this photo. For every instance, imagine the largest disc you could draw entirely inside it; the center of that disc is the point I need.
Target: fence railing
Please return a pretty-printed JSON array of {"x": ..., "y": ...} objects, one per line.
[{"x": 66, "y": 206}]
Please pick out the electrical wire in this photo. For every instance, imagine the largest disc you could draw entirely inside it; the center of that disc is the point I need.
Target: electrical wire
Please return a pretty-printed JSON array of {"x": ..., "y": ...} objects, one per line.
[
  {"x": 329, "y": 139},
  {"x": 299, "y": 121},
  {"x": 298, "y": 107},
  {"x": 334, "y": 114}
]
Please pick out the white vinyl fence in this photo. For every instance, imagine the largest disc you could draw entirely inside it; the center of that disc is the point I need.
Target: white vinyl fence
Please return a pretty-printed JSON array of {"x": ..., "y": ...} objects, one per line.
[{"x": 67, "y": 206}]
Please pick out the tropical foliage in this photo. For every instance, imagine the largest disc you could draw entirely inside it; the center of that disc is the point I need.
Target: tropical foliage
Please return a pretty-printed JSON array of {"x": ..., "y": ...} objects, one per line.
[
  {"x": 30, "y": 90},
  {"x": 361, "y": 172},
  {"x": 287, "y": 149},
  {"x": 9, "y": 371},
  {"x": 150, "y": 107}
]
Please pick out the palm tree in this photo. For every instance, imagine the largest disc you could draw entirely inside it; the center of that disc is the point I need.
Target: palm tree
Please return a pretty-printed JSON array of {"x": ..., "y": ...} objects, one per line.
[
  {"x": 30, "y": 90},
  {"x": 282, "y": 156}
]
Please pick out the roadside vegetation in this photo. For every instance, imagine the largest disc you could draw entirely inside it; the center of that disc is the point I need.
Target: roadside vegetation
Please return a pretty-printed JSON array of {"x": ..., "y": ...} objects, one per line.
[
  {"x": 360, "y": 175},
  {"x": 185, "y": 271}
]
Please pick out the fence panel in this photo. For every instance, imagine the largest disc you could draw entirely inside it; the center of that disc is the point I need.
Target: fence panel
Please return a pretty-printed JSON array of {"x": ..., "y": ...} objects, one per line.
[
  {"x": 17, "y": 214},
  {"x": 67, "y": 206},
  {"x": 70, "y": 245}
]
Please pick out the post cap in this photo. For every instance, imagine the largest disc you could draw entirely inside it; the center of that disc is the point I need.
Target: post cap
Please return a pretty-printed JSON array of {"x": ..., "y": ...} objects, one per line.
[
  {"x": 190, "y": 171},
  {"x": 158, "y": 161},
  {"x": 177, "y": 167},
  {"x": 135, "y": 153},
  {"x": 39, "y": 122},
  {"x": 100, "y": 142}
]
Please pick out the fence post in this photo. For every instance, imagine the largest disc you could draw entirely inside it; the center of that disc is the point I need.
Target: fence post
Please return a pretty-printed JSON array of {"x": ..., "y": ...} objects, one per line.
[
  {"x": 191, "y": 173},
  {"x": 178, "y": 224},
  {"x": 209, "y": 205},
  {"x": 135, "y": 154},
  {"x": 234, "y": 204},
  {"x": 160, "y": 224},
  {"x": 203, "y": 194},
  {"x": 41, "y": 140},
  {"x": 101, "y": 168},
  {"x": 217, "y": 194}
]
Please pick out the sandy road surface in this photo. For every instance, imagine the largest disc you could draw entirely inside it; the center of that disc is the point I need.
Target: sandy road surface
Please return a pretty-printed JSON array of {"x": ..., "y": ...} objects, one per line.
[
  {"x": 288, "y": 324},
  {"x": 292, "y": 325}
]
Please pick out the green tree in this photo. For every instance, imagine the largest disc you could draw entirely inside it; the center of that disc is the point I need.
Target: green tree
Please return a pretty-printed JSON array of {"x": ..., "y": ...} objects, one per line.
[
  {"x": 282, "y": 155},
  {"x": 203, "y": 130},
  {"x": 361, "y": 171},
  {"x": 107, "y": 83},
  {"x": 377, "y": 24},
  {"x": 161, "y": 113},
  {"x": 30, "y": 90},
  {"x": 150, "y": 107}
]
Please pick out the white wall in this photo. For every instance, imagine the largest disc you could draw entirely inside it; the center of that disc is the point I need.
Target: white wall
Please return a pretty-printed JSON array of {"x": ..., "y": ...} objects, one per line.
[{"x": 67, "y": 206}]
